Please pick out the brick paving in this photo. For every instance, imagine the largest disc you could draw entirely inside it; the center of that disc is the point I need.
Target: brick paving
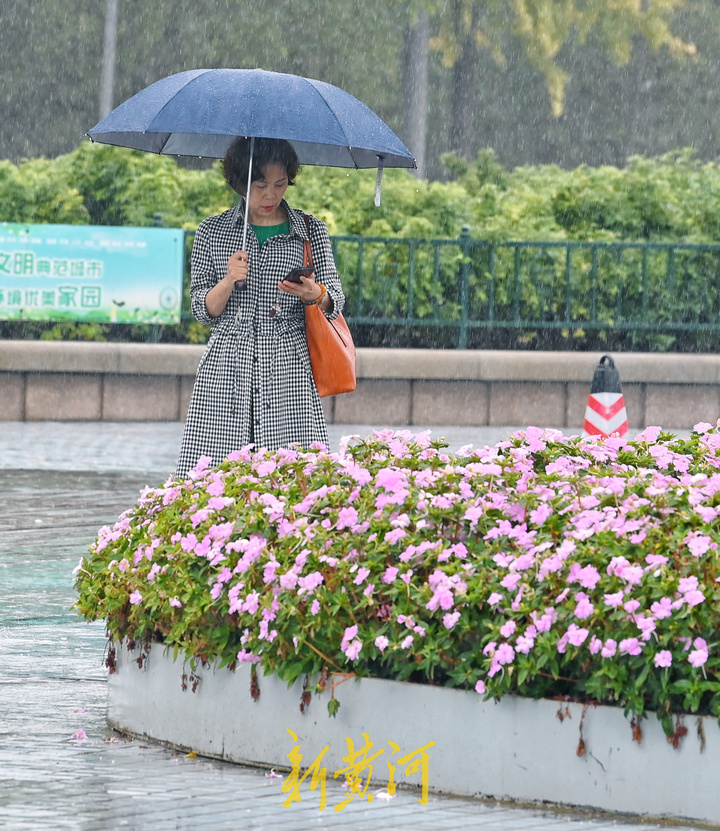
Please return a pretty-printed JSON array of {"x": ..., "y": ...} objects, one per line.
[{"x": 58, "y": 484}]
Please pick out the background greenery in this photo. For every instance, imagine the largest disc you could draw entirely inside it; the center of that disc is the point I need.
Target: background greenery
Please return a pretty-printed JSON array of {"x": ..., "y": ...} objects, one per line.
[
  {"x": 541, "y": 81},
  {"x": 673, "y": 198}
]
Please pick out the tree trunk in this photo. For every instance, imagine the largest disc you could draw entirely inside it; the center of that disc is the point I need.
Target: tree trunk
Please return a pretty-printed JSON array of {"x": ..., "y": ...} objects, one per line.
[
  {"x": 415, "y": 100},
  {"x": 636, "y": 93},
  {"x": 464, "y": 86},
  {"x": 107, "y": 83}
]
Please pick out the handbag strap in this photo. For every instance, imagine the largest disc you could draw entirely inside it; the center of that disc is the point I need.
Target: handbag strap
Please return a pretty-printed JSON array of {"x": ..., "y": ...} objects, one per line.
[{"x": 307, "y": 253}]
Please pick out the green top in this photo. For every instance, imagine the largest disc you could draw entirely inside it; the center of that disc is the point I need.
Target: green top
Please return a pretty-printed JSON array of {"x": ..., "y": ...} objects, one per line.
[{"x": 264, "y": 232}]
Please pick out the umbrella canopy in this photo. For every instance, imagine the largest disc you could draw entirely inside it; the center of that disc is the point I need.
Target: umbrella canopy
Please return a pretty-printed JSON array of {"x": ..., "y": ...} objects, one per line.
[{"x": 201, "y": 111}]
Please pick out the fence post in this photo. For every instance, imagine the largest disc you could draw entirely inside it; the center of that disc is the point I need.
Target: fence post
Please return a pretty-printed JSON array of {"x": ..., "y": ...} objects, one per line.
[{"x": 464, "y": 243}]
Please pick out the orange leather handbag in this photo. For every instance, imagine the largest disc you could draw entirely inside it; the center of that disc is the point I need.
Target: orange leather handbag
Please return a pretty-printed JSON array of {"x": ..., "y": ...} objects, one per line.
[{"x": 331, "y": 347}]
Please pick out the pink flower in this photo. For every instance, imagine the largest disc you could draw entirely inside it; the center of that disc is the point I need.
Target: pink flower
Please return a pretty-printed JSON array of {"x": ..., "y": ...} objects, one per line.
[
  {"x": 390, "y": 574},
  {"x": 697, "y": 543},
  {"x": 576, "y": 635},
  {"x": 347, "y": 517},
  {"x": 686, "y": 584},
  {"x": 315, "y": 608},
  {"x": 524, "y": 644},
  {"x": 630, "y": 646},
  {"x": 382, "y": 643},
  {"x": 647, "y": 626},
  {"x": 700, "y": 654},
  {"x": 136, "y": 598},
  {"x": 510, "y": 581},
  {"x": 289, "y": 579},
  {"x": 396, "y": 534},
  {"x": 694, "y": 598},
  {"x": 662, "y": 608},
  {"x": 266, "y": 468},
  {"x": 175, "y": 602},
  {"x": 614, "y": 600},
  {"x": 245, "y": 657},
  {"x": 609, "y": 649},
  {"x": 352, "y": 650},
  {"x": 480, "y": 687},
  {"x": 407, "y": 642},
  {"x": 310, "y": 582},
  {"x": 663, "y": 658},
  {"x": 216, "y": 487},
  {"x": 507, "y": 629},
  {"x": 584, "y": 607},
  {"x": 544, "y": 622},
  {"x": 595, "y": 645},
  {"x": 391, "y": 479},
  {"x": 504, "y": 654},
  {"x": 361, "y": 575},
  {"x": 473, "y": 514},
  {"x": 450, "y": 619},
  {"x": 251, "y": 603},
  {"x": 203, "y": 463},
  {"x": 348, "y": 635},
  {"x": 540, "y": 514},
  {"x": 494, "y": 598},
  {"x": 587, "y": 577}
]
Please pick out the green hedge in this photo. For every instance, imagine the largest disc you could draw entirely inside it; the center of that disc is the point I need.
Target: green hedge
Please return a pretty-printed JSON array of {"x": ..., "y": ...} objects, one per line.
[{"x": 672, "y": 198}]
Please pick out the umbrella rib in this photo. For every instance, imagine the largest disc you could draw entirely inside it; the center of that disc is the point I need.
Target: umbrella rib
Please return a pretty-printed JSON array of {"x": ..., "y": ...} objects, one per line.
[
  {"x": 170, "y": 100},
  {"x": 337, "y": 120}
]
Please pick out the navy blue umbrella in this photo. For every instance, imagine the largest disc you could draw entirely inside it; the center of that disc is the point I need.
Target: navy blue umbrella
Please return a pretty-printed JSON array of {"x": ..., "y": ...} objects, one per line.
[{"x": 200, "y": 112}]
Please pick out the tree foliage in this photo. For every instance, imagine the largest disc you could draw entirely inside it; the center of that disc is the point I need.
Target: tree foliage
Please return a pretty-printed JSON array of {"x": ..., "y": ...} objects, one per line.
[{"x": 609, "y": 61}]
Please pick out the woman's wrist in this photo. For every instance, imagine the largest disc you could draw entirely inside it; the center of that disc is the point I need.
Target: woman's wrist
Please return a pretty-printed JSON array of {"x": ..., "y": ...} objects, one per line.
[{"x": 319, "y": 299}]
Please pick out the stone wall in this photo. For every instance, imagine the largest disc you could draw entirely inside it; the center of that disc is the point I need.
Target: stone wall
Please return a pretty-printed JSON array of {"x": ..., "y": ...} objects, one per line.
[{"x": 76, "y": 381}]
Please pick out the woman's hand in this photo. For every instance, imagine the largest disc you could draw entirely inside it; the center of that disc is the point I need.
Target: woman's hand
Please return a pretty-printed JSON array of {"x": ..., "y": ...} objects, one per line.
[
  {"x": 307, "y": 289},
  {"x": 236, "y": 277},
  {"x": 237, "y": 270}
]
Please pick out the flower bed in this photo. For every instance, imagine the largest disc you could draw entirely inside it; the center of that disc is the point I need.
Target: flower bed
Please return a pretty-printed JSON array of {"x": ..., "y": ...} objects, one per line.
[{"x": 544, "y": 566}]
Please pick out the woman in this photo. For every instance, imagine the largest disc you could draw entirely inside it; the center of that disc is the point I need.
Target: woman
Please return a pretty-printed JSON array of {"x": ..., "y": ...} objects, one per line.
[{"x": 254, "y": 384}]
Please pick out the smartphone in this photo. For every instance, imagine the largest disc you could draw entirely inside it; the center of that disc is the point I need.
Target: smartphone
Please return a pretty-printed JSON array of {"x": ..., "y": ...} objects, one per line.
[{"x": 295, "y": 275}]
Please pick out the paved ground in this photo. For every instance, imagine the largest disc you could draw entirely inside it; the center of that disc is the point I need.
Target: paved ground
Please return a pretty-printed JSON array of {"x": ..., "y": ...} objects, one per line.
[{"x": 58, "y": 483}]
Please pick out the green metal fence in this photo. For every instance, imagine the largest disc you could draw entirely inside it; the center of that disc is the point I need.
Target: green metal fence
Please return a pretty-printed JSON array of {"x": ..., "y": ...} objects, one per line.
[{"x": 465, "y": 284}]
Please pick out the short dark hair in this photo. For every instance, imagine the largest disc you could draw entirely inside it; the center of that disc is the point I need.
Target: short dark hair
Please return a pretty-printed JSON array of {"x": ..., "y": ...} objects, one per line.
[{"x": 266, "y": 151}]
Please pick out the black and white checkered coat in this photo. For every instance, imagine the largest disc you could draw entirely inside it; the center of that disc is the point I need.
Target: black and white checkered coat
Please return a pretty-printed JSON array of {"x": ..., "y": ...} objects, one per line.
[{"x": 256, "y": 368}]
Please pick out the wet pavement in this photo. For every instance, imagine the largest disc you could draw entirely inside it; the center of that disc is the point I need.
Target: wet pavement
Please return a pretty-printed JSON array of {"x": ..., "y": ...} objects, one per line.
[{"x": 61, "y": 767}]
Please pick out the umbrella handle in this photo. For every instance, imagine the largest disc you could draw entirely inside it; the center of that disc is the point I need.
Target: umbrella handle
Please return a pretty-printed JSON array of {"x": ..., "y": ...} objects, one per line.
[{"x": 247, "y": 192}]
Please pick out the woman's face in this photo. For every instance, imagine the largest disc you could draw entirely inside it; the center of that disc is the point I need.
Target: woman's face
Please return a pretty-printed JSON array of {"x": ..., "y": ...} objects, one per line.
[{"x": 266, "y": 194}]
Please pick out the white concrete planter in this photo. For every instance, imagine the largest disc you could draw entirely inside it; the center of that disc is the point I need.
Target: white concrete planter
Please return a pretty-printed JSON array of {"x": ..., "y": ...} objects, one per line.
[{"x": 516, "y": 749}]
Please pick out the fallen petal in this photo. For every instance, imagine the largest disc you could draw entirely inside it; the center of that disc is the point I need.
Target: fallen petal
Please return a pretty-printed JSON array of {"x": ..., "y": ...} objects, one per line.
[{"x": 385, "y": 795}]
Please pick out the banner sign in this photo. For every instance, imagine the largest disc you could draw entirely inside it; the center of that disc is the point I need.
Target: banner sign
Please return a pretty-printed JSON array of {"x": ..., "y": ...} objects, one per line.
[{"x": 90, "y": 273}]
